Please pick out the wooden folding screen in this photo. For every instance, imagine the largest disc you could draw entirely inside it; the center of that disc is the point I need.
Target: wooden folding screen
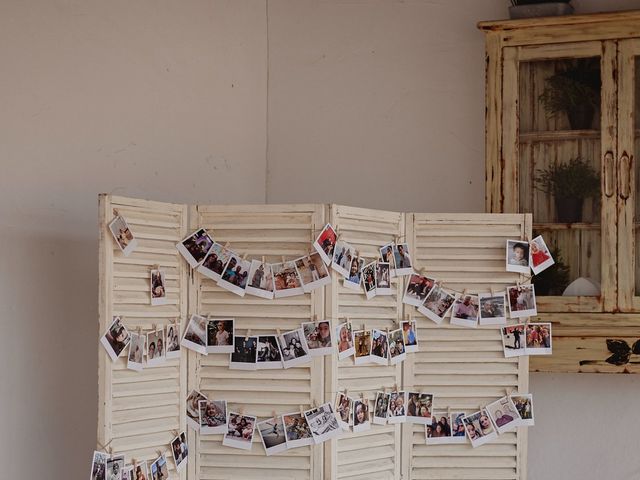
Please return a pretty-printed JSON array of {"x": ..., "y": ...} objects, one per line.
[
  {"x": 464, "y": 368},
  {"x": 138, "y": 411}
]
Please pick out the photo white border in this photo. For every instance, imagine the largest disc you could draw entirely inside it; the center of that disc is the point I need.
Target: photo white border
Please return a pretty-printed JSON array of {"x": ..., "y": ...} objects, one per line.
[
  {"x": 104, "y": 457},
  {"x": 335, "y": 266},
  {"x": 376, "y": 419},
  {"x": 416, "y": 302},
  {"x": 105, "y": 343},
  {"x": 416, "y": 418},
  {"x": 321, "y": 351},
  {"x": 364, "y": 359},
  {"x": 352, "y": 285},
  {"x": 343, "y": 425},
  {"x": 270, "y": 365},
  {"x": 186, "y": 254},
  {"x": 299, "y": 442},
  {"x": 544, "y": 265},
  {"x": 349, "y": 351},
  {"x": 159, "y": 361},
  {"x": 180, "y": 466},
  {"x": 287, "y": 292},
  {"x": 380, "y": 290},
  {"x": 230, "y": 286},
  {"x": 450, "y": 440},
  {"x": 276, "y": 448},
  {"x": 220, "y": 429},
  {"x": 160, "y": 457},
  {"x": 399, "y": 418},
  {"x": 228, "y": 441},
  {"x": 336, "y": 432},
  {"x": 485, "y": 438},
  {"x": 244, "y": 365},
  {"x": 512, "y": 425},
  {"x": 410, "y": 348},
  {"x": 369, "y": 293},
  {"x": 523, "y": 313},
  {"x": 366, "y": 425},
  {"x": 133, "y": 365},
  {"x": 492, "y": 320},
  {"x": 208, "y": 272},
  {"x": 400, "y": 272},
  {"x": 318, "y": 247},
  {"x": 158, "y": 300},
  {"x": 191, "y": 345},
  {"x": 430, "y": 314},
  {"x": 525, "y": 422},
  {"x": 221, "y": 348},
  {"x": 392, "y": 264},
  {"x": 514, "y": 352},
  {"x": 309, "y": 287},
  {"x": 465, "y": 322},
  {"x": 193, "y": 424},
  {"x": 298, "y": 360},
  {"x": 375, "y": 358},
  {"x": 259, "y": 292},
  {"x": 517, "y": 268},
  {"x": 539, "y": 351},
  {"x": 132, "y": 244},
  {"x": 401, "y": 357},
  {"x": 170, "y": 355}
]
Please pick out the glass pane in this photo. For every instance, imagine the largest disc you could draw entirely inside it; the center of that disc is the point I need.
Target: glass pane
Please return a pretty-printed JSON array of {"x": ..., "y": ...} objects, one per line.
[
  {"x": 636, "y": 148},
  {"x": 559, "y": 168}
]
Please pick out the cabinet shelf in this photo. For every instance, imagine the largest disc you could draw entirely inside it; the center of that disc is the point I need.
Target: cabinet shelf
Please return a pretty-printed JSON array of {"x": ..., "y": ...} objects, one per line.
[
  {"x": 562, "y": 135},
  {"x": 565, "y": 226}
]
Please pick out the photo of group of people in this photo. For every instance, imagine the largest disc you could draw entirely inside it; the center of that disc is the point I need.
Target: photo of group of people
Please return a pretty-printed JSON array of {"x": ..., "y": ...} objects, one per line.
[
  {"x": 240, "y": 430},
  {"x": 437, "y": 304},
  {"x": 245, "y": 353},
  {"x": 318, "y": 337},
  {"x": 397, "y": 256},
  {"x": 122, "y": 235},
  {"x": 195, "y": 247},
  {"x": 419, "y": 407},
  {"x": 286, "y": 281},
  {"x": 445, "y": 428},
  {"x": 213, "y": 264},
  {"x": 312, "y": 271},
  {"x": 297, "y": 430},
  {"x": 374, "y": 345},
  {"x": 527, "y": 339},
  {"x": 524, "y": 257},
  {"x": 522, "y": 301},
  {"x": 209, "y": 335}
]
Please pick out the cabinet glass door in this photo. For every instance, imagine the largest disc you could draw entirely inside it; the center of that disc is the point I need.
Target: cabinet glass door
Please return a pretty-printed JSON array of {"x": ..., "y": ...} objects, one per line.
[{"x": 558, "y": 139}]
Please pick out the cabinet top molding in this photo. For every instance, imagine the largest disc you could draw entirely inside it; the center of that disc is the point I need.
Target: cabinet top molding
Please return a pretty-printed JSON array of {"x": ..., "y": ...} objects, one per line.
[{"x": 590, "y": 19}]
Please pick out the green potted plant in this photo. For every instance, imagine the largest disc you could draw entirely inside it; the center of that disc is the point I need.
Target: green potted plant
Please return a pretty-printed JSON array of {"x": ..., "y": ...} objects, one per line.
[
  {"x": 570, "y": 184},
  {"x": 554, "y": 279},
  {"x": 575, "y": 91},
  {"x": 539, "y": 8}
]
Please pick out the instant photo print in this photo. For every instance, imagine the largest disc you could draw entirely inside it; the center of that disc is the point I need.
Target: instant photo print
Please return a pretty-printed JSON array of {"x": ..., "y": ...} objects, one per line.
[
  {"x": 492, "y": 309},
  {"x": 173, "y": 341},
  {"x": 323, "y": 423},
  {"x": 318, "y": 337},
  {"x": 343, "y": 256},
  {"x": 344, "y": 334},
  {"x": 538, "y": 338},
  {"x": 379, "y": 347},
  {"x": 445, "y": 428},
  {"x": 115, "y": 466},
  {"x": 260, "y": 280},
  {"x": 397, "y": 407},
  {"x": 220, "y": 335},
  {"x": 272, "y": 435},
  {"x": 437, "y": 304},
  {"x": 504, "y": 415},
  {"x": 115, "y": 339},
  {"x": 513, "y": 340},
  {"x": 418, "y": 287},
  {"x": 123, "y": 236},
  {"x": 156, "y": 348},
  {"x": 159, "y": 468},
  {"x": 325, "y": 243},
  {"x": 194, "y": 247},
  {"x": 381, "y": 408},
  {"x": 397, "y": 351},
  {"x": 240, "y": 430},
  {"x": 269, "y": 355},
  {"x": 361, "y": 420},
  {"x": 235, "y": 275},
  {"x": 157, "y": 288},
  {"x": 212, "y": 416},
  {"x": 410, "y": 335},
  {"x": 343, "y": 409},
  {"x": 383, "y": 279},
  {"x": 312, "y": 271},
  {"x": 369, "y": 279},
  {"x": 99, "y": 466},
  {"x": 245, "y": 353},
  {"x": 193, "y": 409},
  {"x": 362, "y": 341},
  {"x": 386, "y": 256},
  {"x": 297, "y": 430},
  {"x": 419, "y": 406},
  {"x": 294, "y": 348},
  {"x": 213, "y": 264},
  {"x": 354, "y": 280},
  {"x": 402, "y": 259},
  {"x": 195, "y": 335},
  {"x": 180, "y": 451},
  {"x": 540, "y": 256},
  {"x": 135, "y": 359},
  {"x": 517, "y": 255},
  {"x": 465, "y": 312},
  {"x": 522, "y": 301},
  {"x": 479, "y": 428},
  {"x": 524, "y": 405},
  {"x": 286, "y": 281}
]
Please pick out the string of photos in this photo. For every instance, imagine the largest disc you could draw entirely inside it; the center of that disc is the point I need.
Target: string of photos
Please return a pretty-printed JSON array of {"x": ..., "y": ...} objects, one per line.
[{"x": 207, "y": 335}]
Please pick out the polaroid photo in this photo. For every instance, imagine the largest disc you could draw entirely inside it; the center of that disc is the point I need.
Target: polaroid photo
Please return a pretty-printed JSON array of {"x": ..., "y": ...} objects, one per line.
[
  {"x": 361, "y": 418},
  {"x": 479, "y": 428},
  {"x": 235, "y": 275},
  {"x": 397, "y": 407},
  {"x": 492, "y": 309},
  {"x": 195, "y": 335},
  {"x": 220, "y": 335},
  {"x": 286, "y": 281},
  {"x": 517, "y": 256},
  {"x": 445, "y": 428},
  {"x": 269, "y": 355},
  {"x": 127, "y": 473},
  {"x": 383, "y": 279},
  {"x": 325, "y": 243},
  {"x": 99, "y": 466},
  {"x": 157, "y": 287},
  {"x": 524, "y": 405},
  {"x": 354, "y": 280},
  {"x": 402, "y": 259},
  {"x": 122, "y": 235},
  {"x": 465, "y": 311},
  {"x": 159, "y": 468},
  {"x": 180, "y": 451},
  {"x": 419, "y": 407},
  {"x": 381, "y": 408},
  {"x": 343, "y": 257},
  {"x": 522, "y": 301},
  {"x": 539, "y": 255},
  {"x": 344, "y": 405},
  {"x": 115, "y": 339},
  {"x": 410, "y": 335},
  {"x": 312, "y": 271},
  {"x": 173, "y": 341},
  {"x": 323, "y": 423},
  {"x": 115, "y": 467},
  {"x": 386, "y": 256},
  {"x": 504, "y": 415},
  {"x": 397, "y": 350},
  {"x": 213, "y": 264},
  {"x": 194, "y": 248},
  {"x": 344, "y": 335},
  {"x": 362, "y": 341},
  {"x": 379, "y": 347},
  {"x": 260, "y": 280},
  {"x": 294, "y": 348},
  {"x": 318, "y": 337},
  {"x": 212, "y": 416},
  {"x": 513, "y": 340},
  {"x": 135, "y": 360},
  {"x": 156, "y": 352},
  {"x": 538, "y": 339},
  {"x": 297, "y": 430},
  {"x": 140, "y": 471},
  {"x": 369, "y": 279},
  {"x": 240, "y": 430},
  {"x": 245, "y": 353},
  {"x": 418, "y": 287},
  {"x": 272, "y": 435},
  {"x": 437, "y": 304},
  {"x": 193, "y": 409}
]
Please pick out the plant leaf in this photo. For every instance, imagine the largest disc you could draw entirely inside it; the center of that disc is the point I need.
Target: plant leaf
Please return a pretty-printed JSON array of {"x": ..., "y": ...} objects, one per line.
[
  {"x": 619, "y": 347},
  {"x": 619, "y": 359},
  {"x": 636, "y": 347}
]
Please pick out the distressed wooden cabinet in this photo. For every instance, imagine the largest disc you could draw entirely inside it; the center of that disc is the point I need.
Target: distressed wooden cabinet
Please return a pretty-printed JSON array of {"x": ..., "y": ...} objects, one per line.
[{"x": 592, "y": 61}]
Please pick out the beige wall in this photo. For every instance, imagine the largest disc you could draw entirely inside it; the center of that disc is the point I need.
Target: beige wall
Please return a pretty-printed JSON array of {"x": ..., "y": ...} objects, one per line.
[{"x": 365, "y": 102}]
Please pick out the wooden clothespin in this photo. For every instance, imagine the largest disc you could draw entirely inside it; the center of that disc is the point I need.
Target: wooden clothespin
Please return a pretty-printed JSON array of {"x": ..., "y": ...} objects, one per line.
[
  {"x": 241, "y": 410},
  {"x": 384, "y": 390},
  {"x": 155, "y": 266},
  {"x": 175, "y": 433},
  {"x": 395, "y": 387},
  {"x": 283, "y": 260},
  {"x": 115, "y": 212},
  {"x": 315, "y": 317},
  {"x": 449, "y": 411},
  {"x": 226, "y": 245},
  {"x": 313, "y": 403},
  {"x": 302, "y": 410},
  {"x": 364, "y": 327},
  {"x": 273, "y": 415},
  {"x": 278, "y": 331},
  {"x": 110, "y": 451},
  {"x": 139, "y": 330},
  {"x": 159, "y": 452},
  {"x": 263, "y": 259},
  {"x": 155, "y": 327},
  {"x": 508, "y": 391},
  {"x": 246, "y": 338},
  {"x": 135, "y": 463},
  {"x": 492, "y": 289}
]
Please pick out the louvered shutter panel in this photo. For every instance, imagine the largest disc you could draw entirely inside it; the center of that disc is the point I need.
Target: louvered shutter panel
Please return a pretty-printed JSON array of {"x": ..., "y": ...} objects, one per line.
[
  {"x": 256, "y": 230},
  {"x": 465, "y": 368},
  {"x": 373, "y": 454},
  {"x": 138, "y": 411}
]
